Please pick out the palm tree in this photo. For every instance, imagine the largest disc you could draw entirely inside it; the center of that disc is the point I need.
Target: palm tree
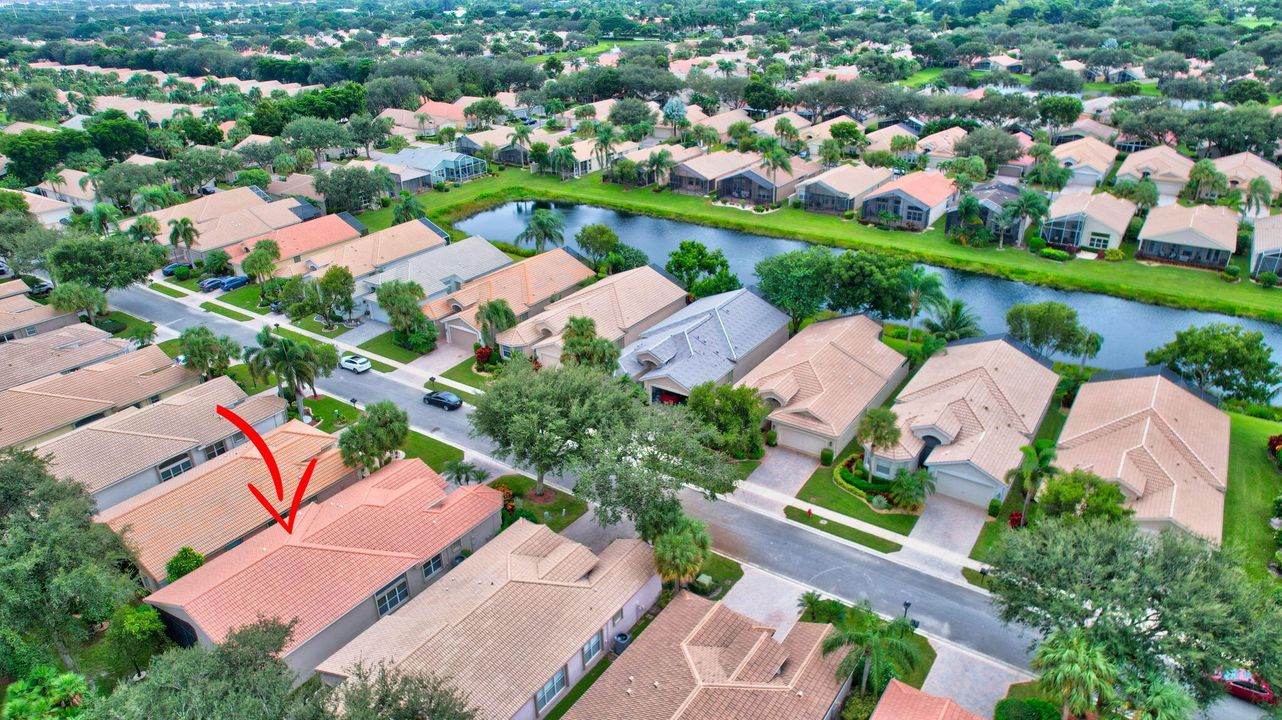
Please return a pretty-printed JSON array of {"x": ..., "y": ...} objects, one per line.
[
  {"x": 409, "y": 209},
  {"x": 1204, "y": 177},
  {"x": 72, "y": 296},
  {"x": 143, "y": 117},
  {"x": 739, "y": 131},
  {"x": 679, "y": 552},
  {"x": 970, "y": 217},
  {"x": 1089, "y": 344},
  {"x": 704, "y": 136},
  {"x": 91, "y": 178},
  {"x": 494, "y": 317},
  {"x": 145, "y": 229},
  {"x": 879, "y": 650},
  {"x": 102, "y": 217},
  {"x": 55, "y": 179},
  {"x": 562, "y": 161},
  {"x": 1156, "y": 698},
  {"x": 1029, "y": 205},
  {"x": 923, "y": 290},
  {"x": 659, "y": 164},
  {"x": 293, "y": 362},
  {"x": 1076, "y": 670},
  {"x": 786, "y": 131},
  {"x": 774, "y": 160},
  {"x": 830, "y": 152},
  {"x": 183, "y": 230},
  {"x": 910, "y": 488},
  {"x": 154, "y": 197},
  {"x": 878, "y": 429},
  {"x": 447, "y": 135},
  {"x": 606, "y": 140},
  {"x": 461, "y": 472},
  {"x": 544, "y": 227},
  {"x": 1145, "y": 195},
  {"x": 953, "y": 321},
  {"x": 520, "y": 136},
  {"x": 1037, "y": 464},
  {"x": 1259, "y": 193}
]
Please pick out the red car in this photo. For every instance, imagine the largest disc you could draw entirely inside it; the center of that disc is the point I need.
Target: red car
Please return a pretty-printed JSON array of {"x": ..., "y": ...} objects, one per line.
[{"x": 1246, "y": 685}]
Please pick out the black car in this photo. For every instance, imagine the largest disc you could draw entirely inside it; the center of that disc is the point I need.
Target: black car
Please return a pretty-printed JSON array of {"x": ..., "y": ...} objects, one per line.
[{"x": 443, "y": 399}]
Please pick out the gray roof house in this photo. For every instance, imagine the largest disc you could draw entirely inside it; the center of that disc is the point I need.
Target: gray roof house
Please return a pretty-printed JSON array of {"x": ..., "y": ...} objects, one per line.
[
  {"x": 439, "y": 271},
  {"x": 419, "y": 168},
  {"x": 718, "y": 339}
]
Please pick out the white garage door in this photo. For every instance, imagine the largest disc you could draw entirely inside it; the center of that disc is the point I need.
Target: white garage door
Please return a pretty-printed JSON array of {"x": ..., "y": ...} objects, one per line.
[
  {"x": 801, "y": 441},
  {"x": 964, "y": 489}
]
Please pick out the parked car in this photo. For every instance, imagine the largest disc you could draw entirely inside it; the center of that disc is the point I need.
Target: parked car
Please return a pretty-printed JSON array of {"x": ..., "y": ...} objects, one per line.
[
  {"x": 356, "y": 363},
  {"x": 232, "y": 283},
  {"x": 181, "y": 360},
  {"x": 4, "y": 268},
  {"x": 40, "y": 289},
  {"x": 211, "y": 284},
  {"x": 206, "y": 191},
  {"x": 1242, "y": 683},
  {"x": 443, "y": 399},
  {"x": 169, "y": 269}
]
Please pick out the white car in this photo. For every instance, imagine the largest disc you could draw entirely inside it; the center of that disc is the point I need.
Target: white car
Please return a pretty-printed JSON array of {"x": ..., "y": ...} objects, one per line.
[{"x": 356, "y": 363}]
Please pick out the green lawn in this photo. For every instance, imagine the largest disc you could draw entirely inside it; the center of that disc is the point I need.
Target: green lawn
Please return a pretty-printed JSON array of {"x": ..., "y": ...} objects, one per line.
[
  {"x": 842, "y": 531},
  {"x": 131, "y": 323},
  {"x": 170, "y": 347},
  {"x": 1254, "y": 481},
  {"x": 333, "y": 414},
  {"x": 579, "y": 689},
  {"x": 226, "y": 312},
  {"x": 189, "y": 284},
  {"x": 822, "y": 491},
  {"x": 1148, "y": 89},
  {"x": 993, "y": 529},
  {"x": 1164, "y": 285},
  {"x": 312, "y": 326},
  {"x": 245, "y": 298},
  {"x": 463, "y": 373},
  {"x": 431, "y": 451},
  {"x": 557, "y": 515},
  {"x": 833, "y": 611},
  {"x": 466, "y": 397},
  {"x": 169, "y": 290},
  {"x": 745, "y": 468},
  {"x": 383, "y": 345},
  {"x": 724, "y": 573},
  {"x": 240, "y": 373}
]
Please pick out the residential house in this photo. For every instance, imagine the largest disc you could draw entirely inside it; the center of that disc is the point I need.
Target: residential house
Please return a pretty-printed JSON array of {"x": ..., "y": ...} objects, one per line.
[
  {"x": 50, "y": 212},
  {"x": 901, "y": 701},
  {"x": 714, "y": 339},
  {"x": 1086, "y": 127},
  {"x": 208, "y": 507},
  {"x": 1201, "y": 235},
  {"x": 75, "y": 188},
  {"x": 880, "y": 140},
  {"x": 820, "y": 383},
  {"x": 1165, "y": 445},
  {"x": 1134, "y": 73},
  {"x": 841, "y": 189},
  {"x": 226, "y": 218},
  {"x": 588, "y": 158},
  {"x": 302, "y": 241},
  {"x": 1266, "y": 246},
  {"x": 815, "y": 135},
  {"x": 761, "y": 185},
  {"x": 407, "y": 123},
  {"x": 123, "y": 454},
  {"x": 766, "y": 128},
  {"x": 700, "y": 660},
  {"x": 938, "y": 147},
  {"x": 527, "y": 286},
  {"x": 19, "y": 127},
  {"x": 1162, "y": 164},
  {"x": 438, "y": 115},
  {"x": 1078, "y": 67},
  {"x": 722, "y": 121},
  {"x": 993, "y": 198},
  {"x": 22, "y": 317},
  {"x": 1086, "y": 220},
  {"x": 27, "y": 358},
  {"x": 700, "y": 175},
  {"x": 1243, "y": 167},
  {"x": 623, "y": 305},
  {"x": 475, "y": 625},
  {"x": 370, "y": 254},
  {"x": 1100, "y": 108},
  {"x": 1020, "y": 166},
  {"x": 297, "y": 185},
  {"x": 352, "y": 559},
  {"x": 965, "y": 415},
  {"x": 506, "y": 151},
  {"x": 996, "y": 62},
  {"x": 1088, "y": 158},
  {"x": 641, "y": 156},
  {"x": 914, "y": 201},
  {"x": 420, "y": 168},
  {"x": 40, "y": 410},
  {"x": 253, "y": 139},
  {"x": 444, "y": 268}
]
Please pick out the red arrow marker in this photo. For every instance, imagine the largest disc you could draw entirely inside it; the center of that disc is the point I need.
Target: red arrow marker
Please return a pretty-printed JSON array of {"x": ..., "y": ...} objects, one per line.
[{"x": 270, "y": 460}]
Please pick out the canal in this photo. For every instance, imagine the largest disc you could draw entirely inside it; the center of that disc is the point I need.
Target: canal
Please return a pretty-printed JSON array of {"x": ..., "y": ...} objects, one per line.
[{"x": 1129, "y": 328}]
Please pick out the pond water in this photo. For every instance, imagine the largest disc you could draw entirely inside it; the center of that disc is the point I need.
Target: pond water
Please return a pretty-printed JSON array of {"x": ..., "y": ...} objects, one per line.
[{"x": 1129, "y": 328}]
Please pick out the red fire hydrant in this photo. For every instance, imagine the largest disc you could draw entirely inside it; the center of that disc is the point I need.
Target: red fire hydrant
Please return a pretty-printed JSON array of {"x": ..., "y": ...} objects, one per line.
[{"x": 810, "y": 512}]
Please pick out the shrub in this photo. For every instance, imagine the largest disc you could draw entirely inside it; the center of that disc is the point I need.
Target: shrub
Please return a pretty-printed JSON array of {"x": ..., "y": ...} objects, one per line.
[
  {"x": 1054, "y": 254},
  {"x": 994, "y": 508},
  {"x": 185, "y": 561},
  {"x": 1232, "y": 273},
  {"x": 772, "y": 438},
  {"x": 384, "y": 202},
  {"x": 511, "y": 516},
  {"x": 879, "y": 502},
  {"x": 849, "y": 215},
  {"x": 1275, "y": 444},
  {"x": 110, "y": 325},
  {"x": 1025, "y": 709},
  {"x": 796, "y": 204},
  {"x": 859, "y": 707},
  {"x": 484, "y": 354},
  {"x": 417, "y": 342},
  {"x": 1277, "y": 561},
  {"x": 1277, "y": 537},
  {"x": 825, "y": 456},
  {"x": 1277, "y": 506},
  {"x": 758, "y": 208},
  {"x": 1036, "y": 244},
  {"x": 1114, "y": 255},
  {"x": 182, "y": 273},
  {"x": 440, "y": 186},
  {"x": 1267, "y": 279}
]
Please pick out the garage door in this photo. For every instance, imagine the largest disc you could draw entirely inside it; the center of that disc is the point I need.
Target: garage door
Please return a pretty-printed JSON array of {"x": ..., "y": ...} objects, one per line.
[
  {"x": 802, "y": 441},
  {"x": 964, "y": 489}
]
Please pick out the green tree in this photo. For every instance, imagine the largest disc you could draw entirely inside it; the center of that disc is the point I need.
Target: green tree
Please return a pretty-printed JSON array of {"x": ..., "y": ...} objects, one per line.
[
  {"x": 208, "y": 354},
  {"x": 400, "y": 300},
  {"x": 145, "y": 229},
  {"x": 1259, "y": 194},
  {"x": 259, "y": 264},
  {"x": 994, "y": 146},
  {"x": 102, "y": 217},
  {"x": 1158, "y": 699},
  {"x": 796, "y": 282},
  {"x": 373, "y": 441},
  {"x": 185, "y": 561},
  {"x": 1037, "y": 462},
  {"x": 316, "y": 135},
  {"x": 78, "y": 297},
  {"x": 46, "y": 694},
  {"x": 1205, "y": 178},
  {"x": 135, "y": 632},
  {"x": 108, "y": 263},
  {"x": 1046, "y": 327},
  {"x": 868, "y": 282},
  {"x": 954, "y": 320},
  {"x": 924, "y": 290},
  {"x": 1084, "y": 494},
  {"x": 295, "y": 363},
  {"x": 409, "y": 208},
  {"x": 580, "y": 345},
  {"x": 734, "y": 413},
  {"x": 701, "y": 271},
  {"x": 910, "y": 488},
  {"x": 1058, "y": 112},
  {"x": 461, "y": 472},
  {"x": 382, "y": 693},
  {"x": 27, "y": 248},
  {"x": 336, "y": 287},
  {"x": 494, "y": 317},
  {"x": 182, "y": 231},
  {"x": 1223, "y": 357},
  {"x": 367, "y": 131},
  {"x": 681, "y": 550},
  {"x": 597, "y": 241},
  {"x": 545, "y": 227},
  {"x": 1075, "y": 670},
  {"x": 878, "y": 429},
  {"x": 874, "y": 649},
  {"x": 253, "y": 177}
]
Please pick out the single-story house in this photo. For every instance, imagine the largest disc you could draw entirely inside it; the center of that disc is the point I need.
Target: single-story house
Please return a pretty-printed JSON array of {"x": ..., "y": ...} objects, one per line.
[
  {"x": 297, "y": 185},
  {"x": 623, "y": 305},
  {"x": 758, "y": 674},
  {"x": 475, "y": 625},
  {"x": 721, "y": 122},
  {"x": 1079, "y": 67},
  {"x": 48, "y": 211},
  {"x": 369, "y": 254},
  {"x": 444, "y": 268},
  {"x": 22, "y": 317},
  {"x": 19, "y": 127},
  {"x": 56, "y": 352},
  {"x": 430, "y": 165},
  {"x": 965, "y": 415},
  {"x": 70, "y": 190},
  {"x": 407, "y": 123},
  {"x": 208, "y": 508},
  {"x": 1163, "y": 443},
  {"x": 841, "y": 189},
  {"x": 938, "y": 147},
  {"x": 1266, "y": 246},
  {"x": 1020, "y": 166},
  {"x": 41, "y": 410},
  {"x": 815, "y": 135},
  {"x": 993, "y": 198},
  {"x": 527, "y": 286},
  {"x": 995, "y": 62},
  {"x": 820, "y": 383},
  {"x": 718, "y": 339},
  {"x": 1086, "y": 127},
  {"x": 1241, "y": 168},
  {"x": 351, "y": 560},
  {"x": 588, "y": 159},
  {"x": 1162, "y": 164},
  {"x": 914, "y": 201},
  {"x": 1086, "y": 220},
  {"x": 901, "y": 701},
  {"x": 123, "y": 454},
  {"x": 1201, "y": 235},
  {"x": 880, "y": 140},
  {"x": 759, "y": 185},
  {"x": 700, "y": 175},
  {"x": 300, "y": 242},
  {"x": 507, "y": 152},
  {"x": 766, "y": 128},
  {"x": 640, "y": 156},
  {"x": 1089, "y": 159},
  {"x": 228, "y": 217}
]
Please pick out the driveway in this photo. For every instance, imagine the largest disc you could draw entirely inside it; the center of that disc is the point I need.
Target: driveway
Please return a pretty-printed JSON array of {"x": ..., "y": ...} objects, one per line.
[
  {"x": 972, "y": 680},
  {"x": 445, "y": 356},
  {"x": 949, "y": 523},
  {"x": 784, "y": 470},
  {"x": 767, "y": 598}
]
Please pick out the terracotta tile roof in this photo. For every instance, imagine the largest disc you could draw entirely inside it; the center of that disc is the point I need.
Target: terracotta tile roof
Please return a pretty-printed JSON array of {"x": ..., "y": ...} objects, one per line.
[
  {"x": 364, "y": 255},
  {"x": 522, "y": 284},
  {"x": 679, "y": 153},
  {"x": 19, "y": 127},
  {"x": 139, "y": 159},
  {"x": 880, "y": 139},
  {"x": 1267, "y": 235},
  {"x": 1244, "y": 167},
  {"x": 941, "y": 144},
  {"x": 296, "y": 184},
  {"x": 474, "y": 625},
  {"x": 1165, "y": 445},
  {"x": 1205, "y": 226},
  {"x": 342, "y": 552},
  {"x": 819, "y": 132},
  {"x": 119, "y": 446},
  {"x": 1086, "y": 152},
  {"x": 617, "y": 303},
  {"x": 19, "y": 311},
  {"x": 228, "y": 217},
  {"x": 441, "y": 111},
  {"x": 1161, "y": 163},
  {"x": 930, "y": 188},
  {"x": 721, "y": 122},
  {"x": 11, "y": 288},
  {"x": 699, "y": 660},
  {"x": 851, "y": 180},
  {"x": 30, "y": 358},
  {"x": 1109, "y": 210},
  {"x": 827, "y": 374},
  {"x": 905, "y": 702},
  {"x": 1090, "y": 127},
  {"x": 717, "y": 165},
  {"x": 304, "y": 238},
  {"x": 70, "y": 185},
  {"x": 37, "y": 203},
  {"x": 767, "y": 126},
  {"x": 987, "y": 395},
  {"x": 210, "y": 506}
]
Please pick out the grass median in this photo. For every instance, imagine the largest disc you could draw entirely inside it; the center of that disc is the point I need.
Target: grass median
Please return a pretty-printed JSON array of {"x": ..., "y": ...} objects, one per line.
[
  {"x": 225, "y": 312},
  {"x": 845, "y": 532}
]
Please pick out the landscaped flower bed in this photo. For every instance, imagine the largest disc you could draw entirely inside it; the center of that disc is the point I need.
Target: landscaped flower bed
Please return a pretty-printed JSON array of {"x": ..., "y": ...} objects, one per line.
[{"x": 851, "y": 476}]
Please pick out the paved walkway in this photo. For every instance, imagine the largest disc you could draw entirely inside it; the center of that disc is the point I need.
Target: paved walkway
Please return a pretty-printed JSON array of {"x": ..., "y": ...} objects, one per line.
[
  {"x": 974, "y": 681},
  {"x": 949, "y": 523},
  {"x": 783, "y": 470},
  {"x": 767, "y": 598}
]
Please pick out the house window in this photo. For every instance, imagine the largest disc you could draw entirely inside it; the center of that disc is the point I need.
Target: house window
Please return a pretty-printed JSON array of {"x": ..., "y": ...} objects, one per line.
[
  {"x": 31, "y": 331},
  {"x": 549, "y": 691},
  {"x": 914, "y": 215},
  {"x": 618, "y": 617},
  {"x": 6, "y": 337},
  {"x": 1097, "y": 241},
  {"x": 175, "y": 467},
  {"x": 431, "y": 567},
  {"x": 392, "y": 596},
  {"x": 882, "y": 468},
  {"x": 591, "y": 648},
  {"x": 213, "y": 451}
]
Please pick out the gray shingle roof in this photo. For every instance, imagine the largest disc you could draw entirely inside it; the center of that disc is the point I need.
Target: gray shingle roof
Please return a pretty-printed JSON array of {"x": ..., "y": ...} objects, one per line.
[{"x": 463, "y": 260}]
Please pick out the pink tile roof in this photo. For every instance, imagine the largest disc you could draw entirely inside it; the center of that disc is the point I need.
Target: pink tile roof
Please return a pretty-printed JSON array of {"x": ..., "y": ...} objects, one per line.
[
  {"x": 523, "y": 284},
  {"x": 905, "y": 702},
  {"x": 342, "y": 551},
  {"x": 302, "y": 239},
  {"x": 931, "y": 188}
]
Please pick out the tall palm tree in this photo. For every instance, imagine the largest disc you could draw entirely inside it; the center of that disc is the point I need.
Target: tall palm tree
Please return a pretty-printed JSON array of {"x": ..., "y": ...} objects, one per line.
[
  {"x": 831, "y": 152},
  {"x": 1156, "y": 698},
  {"x": 1259, "y": 193},
  {"x": 520, "y": 136},
  {"x": 1075, "y": 670},
  {"x": 924, "y": 290},
  {"x": 774, "y": 160},
  {"x": 1204, "y": 177},
  {"x": 145, "y": 229},
  {"x": 293, "y": 362},
  {"x": 102, "y": 217},
  {"x": 1029, "y": 205},
  {"x": 970, "y": 217},
  {"x": 1037, "y": 462},
  {"x": 91, "y": 178},
  {"x": 55, "y": 179},
  {"x": 154, "y": 197},
  {"x": 704, "y": 136},
  {"x": 659, "y": 164},
  {"x": 878, "y": 429},
  {"x": 953, "y": 321},
  {"x": 786, "y": 131},
  {"x": 494, "y": 317},
  {"x": 183, "y": 230},
  {"x": 879, "y": 650},
  {"x": 1089, "y": 344},
  {"x": 607, "y": 138},
  {"x": 562, "y": 161},
  {"x": 545, "y": 227}
]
